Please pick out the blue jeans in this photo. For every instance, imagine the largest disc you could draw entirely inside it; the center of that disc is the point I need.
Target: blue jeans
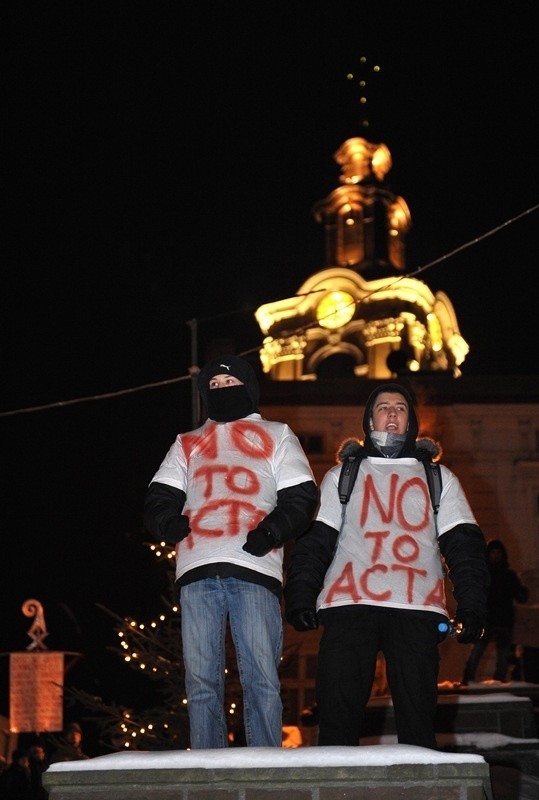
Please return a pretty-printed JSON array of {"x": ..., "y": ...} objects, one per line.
[{"x": 256, "y": 625}]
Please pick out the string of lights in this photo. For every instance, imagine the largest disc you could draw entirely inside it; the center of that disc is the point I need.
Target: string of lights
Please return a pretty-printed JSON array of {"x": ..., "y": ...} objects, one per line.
[
  {"x": 154, "y": 649},
  {"x": 181, "y": 378}
]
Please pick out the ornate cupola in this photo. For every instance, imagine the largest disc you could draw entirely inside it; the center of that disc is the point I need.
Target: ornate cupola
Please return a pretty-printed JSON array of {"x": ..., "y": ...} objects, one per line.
[
  {"x": 364, "y": 222},
  {"x": 362, "y": 304}
]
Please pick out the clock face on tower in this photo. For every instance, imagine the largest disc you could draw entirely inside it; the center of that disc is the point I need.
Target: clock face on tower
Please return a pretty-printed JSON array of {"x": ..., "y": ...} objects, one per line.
[{"x": 335, "y": 310}]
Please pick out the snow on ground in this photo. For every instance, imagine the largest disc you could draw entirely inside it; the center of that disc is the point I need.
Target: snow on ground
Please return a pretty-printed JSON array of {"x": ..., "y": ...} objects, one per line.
[{"x": 245, "y": 757}]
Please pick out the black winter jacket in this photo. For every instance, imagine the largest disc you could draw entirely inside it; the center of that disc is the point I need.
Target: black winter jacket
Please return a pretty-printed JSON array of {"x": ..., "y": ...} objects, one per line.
[{"x": 462, "y": 549}]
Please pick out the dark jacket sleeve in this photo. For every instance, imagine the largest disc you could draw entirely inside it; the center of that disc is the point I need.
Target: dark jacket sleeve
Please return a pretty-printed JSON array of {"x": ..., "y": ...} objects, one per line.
[
  {"x": 309, "y": 560},
  {"x": 293, "y": 513},
  {"x": 520, "y": 592},
  {"x": 163, "y": 506},
  {"x": 464, "y": 551}
]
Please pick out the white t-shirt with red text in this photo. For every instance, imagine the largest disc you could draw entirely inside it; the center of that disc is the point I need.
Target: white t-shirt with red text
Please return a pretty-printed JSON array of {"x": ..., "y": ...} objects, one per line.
[
  {"x": 387, "y": 552},
  {"x": 231, "y": 473}
]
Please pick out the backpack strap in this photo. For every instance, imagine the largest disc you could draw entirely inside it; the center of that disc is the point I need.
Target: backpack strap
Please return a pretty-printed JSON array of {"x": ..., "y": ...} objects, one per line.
[
  {"x": 434, "y": 481},
  {"x": 347, "y": 477}
]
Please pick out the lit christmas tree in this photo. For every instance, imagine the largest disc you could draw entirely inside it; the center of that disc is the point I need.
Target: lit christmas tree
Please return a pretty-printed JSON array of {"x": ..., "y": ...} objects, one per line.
[{"x": 155, "y": 650}]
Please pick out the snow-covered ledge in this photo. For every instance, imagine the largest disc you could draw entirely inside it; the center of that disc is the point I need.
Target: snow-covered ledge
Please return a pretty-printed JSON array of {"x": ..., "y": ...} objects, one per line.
[{"x": 248, "y": 773}]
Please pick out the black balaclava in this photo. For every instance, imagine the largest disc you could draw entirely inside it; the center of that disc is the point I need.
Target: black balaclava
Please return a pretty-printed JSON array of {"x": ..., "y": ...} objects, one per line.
[
  {"x": 393, "y": 446},
  {"x": 230, "y": 402}
]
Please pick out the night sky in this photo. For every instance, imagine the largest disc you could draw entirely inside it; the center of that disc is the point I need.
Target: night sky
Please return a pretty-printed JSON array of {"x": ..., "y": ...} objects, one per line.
[{"x": 163, "y": 159}]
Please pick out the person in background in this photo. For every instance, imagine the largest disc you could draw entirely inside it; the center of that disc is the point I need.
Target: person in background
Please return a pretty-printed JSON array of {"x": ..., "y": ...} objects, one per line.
[
  {"x": 15, "y": 780},
  {"x": 70, "y": 748},
  {"x": 38, "y": 763},
  {"x": 227, "y": 496},
  {"x": 506, "y": 588},
  {"x": 375, "y": 579}
]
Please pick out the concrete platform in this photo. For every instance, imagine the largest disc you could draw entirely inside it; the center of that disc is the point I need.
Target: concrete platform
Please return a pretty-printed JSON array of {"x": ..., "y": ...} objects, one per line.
[
  {"x": 499, "y": 712},
  {"x": 318, "y": 773},
  {"x": 377, "y": 770}
]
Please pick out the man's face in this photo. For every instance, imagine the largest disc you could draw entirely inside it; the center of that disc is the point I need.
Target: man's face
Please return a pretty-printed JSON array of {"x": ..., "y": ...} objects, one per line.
[
  {"x": 224, "y": 380},
  {"x": 390, "y": 413}
]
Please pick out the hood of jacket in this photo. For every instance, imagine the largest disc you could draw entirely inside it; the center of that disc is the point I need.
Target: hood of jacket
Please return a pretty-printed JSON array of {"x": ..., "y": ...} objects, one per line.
[
  {"x": 497, "y": 544},
  {"x": 408, "y": 447}
]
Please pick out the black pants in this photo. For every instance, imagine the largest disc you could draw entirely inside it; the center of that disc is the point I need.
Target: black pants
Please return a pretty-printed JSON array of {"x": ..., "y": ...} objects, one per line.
[{"x": 351, "y": 640}]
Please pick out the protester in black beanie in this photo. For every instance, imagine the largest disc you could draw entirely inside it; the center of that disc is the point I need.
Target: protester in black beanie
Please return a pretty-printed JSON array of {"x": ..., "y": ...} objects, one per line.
[{"x": 228, "y": 495}]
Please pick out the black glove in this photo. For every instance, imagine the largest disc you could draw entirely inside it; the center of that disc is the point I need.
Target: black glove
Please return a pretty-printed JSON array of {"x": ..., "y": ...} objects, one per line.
[
  {"x": 304, "y": 620},
  {"x": 259, "y": 542},
  {"x": 177, "y": 529},
  {"x": 472, "y": 626}
]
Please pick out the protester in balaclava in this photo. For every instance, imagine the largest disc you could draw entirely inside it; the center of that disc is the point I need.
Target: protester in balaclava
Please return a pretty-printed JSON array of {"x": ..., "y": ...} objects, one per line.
[
  {"x": 506, "y": 589},
  {"x": 375, "y": 580},
  {"x": 228, "y": 495}
]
